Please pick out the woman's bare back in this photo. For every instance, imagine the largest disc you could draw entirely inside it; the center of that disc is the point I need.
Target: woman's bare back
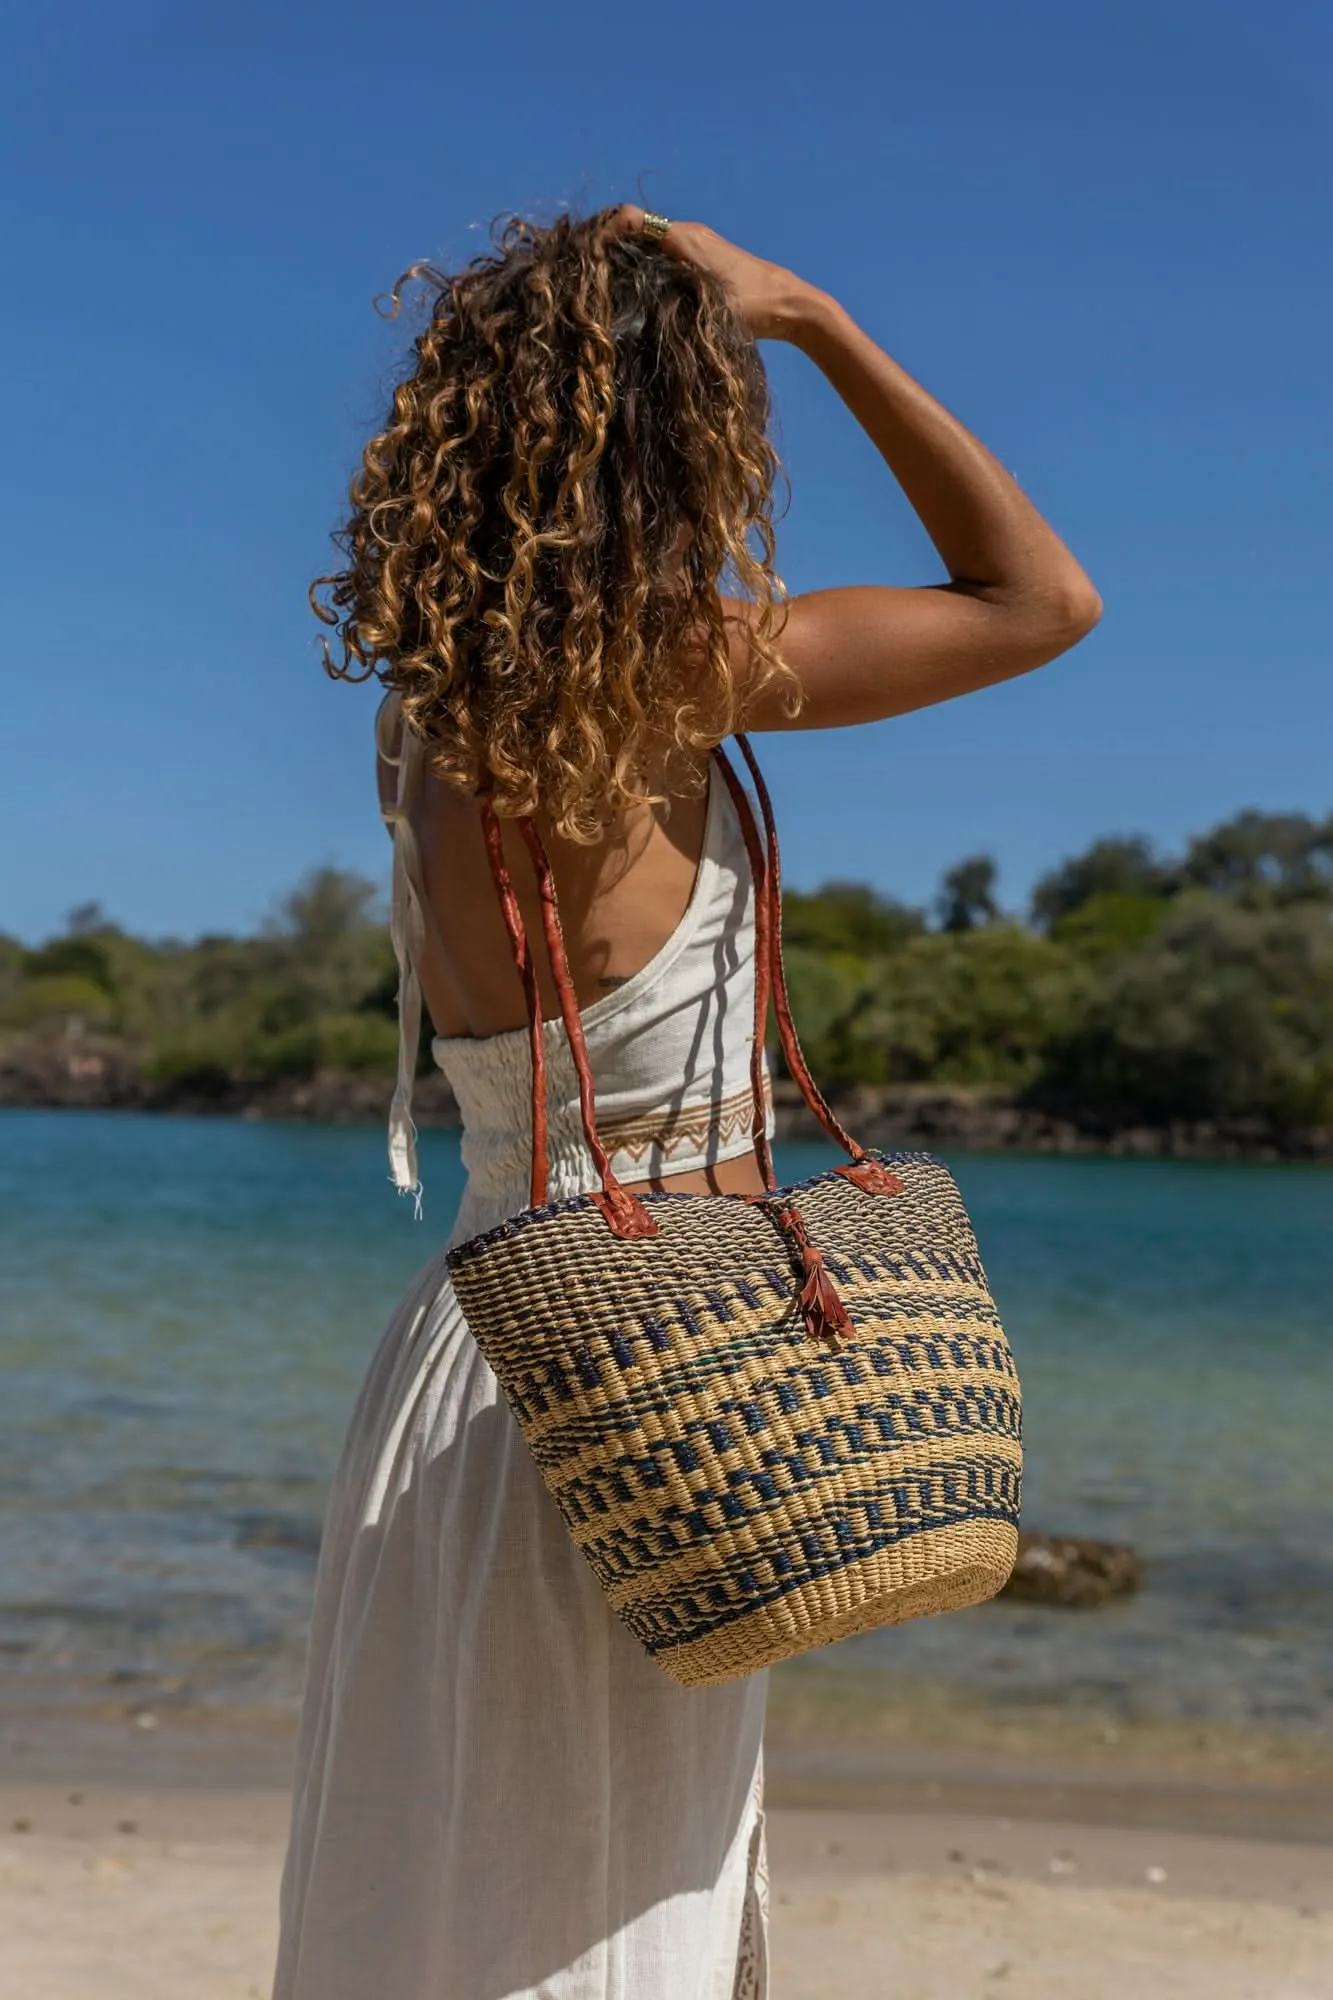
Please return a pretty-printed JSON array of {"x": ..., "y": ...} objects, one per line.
[{"x": 620, "y": 901}]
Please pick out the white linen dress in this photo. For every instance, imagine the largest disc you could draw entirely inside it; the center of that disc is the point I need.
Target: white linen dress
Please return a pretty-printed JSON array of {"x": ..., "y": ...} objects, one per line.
[{"x": 498, "y": 1795}]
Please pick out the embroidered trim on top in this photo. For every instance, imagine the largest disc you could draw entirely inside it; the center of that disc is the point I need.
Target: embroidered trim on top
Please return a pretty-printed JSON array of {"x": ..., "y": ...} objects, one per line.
[{"x": 686, "y": 1128}]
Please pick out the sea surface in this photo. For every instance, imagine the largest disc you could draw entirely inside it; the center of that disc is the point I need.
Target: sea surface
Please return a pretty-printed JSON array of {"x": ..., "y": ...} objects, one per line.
[{"x": 187, "y": 1307}]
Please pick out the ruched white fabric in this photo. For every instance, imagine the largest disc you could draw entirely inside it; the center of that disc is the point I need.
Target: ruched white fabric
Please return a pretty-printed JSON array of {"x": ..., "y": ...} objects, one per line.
[{"x": 498, "y": 1795}]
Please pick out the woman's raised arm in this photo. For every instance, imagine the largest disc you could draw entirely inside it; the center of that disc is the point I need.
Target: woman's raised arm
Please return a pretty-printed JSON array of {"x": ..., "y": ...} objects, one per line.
[{"x": 1015, "y": 597}]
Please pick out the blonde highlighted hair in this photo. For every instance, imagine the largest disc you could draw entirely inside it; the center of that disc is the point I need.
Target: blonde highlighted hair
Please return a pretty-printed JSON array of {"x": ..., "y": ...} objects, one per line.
[{"x": 573, "y": 472}]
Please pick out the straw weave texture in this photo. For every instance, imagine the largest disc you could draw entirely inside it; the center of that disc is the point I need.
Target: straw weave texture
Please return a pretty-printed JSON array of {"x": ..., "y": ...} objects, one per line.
[{"x": 743, "y": 1490}]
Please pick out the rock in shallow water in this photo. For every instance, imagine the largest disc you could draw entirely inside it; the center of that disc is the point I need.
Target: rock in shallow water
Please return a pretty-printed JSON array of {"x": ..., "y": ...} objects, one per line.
[{"x": 1064, "y": 1569}]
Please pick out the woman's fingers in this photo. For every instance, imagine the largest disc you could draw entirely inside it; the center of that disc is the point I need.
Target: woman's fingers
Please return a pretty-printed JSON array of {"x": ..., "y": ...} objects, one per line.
[
  {"x": 763, "y": 294},
  {"x": 627, "y": 220},
  {"x": 689, "y": 243}
]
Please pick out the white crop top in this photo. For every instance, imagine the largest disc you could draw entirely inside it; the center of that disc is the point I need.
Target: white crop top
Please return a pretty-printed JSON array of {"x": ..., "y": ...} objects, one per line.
[{"x": 669, "y": 1049}]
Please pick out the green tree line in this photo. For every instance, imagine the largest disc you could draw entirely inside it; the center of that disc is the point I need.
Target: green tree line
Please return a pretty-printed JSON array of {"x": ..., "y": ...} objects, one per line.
[
  {"x": 315, "y": 990},
  {"x": 1136, "y": 988}
]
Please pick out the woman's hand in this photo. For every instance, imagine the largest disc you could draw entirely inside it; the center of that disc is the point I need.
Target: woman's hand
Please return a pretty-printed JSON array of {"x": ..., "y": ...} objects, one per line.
[{"x": 773, "y": 302}]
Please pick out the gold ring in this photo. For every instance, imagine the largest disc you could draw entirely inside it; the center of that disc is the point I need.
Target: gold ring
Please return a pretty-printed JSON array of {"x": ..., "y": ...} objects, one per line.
[{"x": 654, "y": 227}]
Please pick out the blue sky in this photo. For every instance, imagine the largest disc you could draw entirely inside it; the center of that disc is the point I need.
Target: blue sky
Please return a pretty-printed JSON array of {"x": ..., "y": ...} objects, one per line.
[{"x": 1099, "y": 232}]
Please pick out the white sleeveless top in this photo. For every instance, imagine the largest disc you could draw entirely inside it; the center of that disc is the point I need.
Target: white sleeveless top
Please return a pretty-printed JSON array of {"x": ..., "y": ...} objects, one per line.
[{"x": 669, "y": 1049}]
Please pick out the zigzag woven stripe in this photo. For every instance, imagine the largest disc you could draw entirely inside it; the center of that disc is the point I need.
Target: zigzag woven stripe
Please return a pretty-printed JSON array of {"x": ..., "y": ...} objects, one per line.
[
  {"x": 706, "y": 1534},
  {"x": 733, "y": 1480},
  {"x": 941, "y": 1569},
  {"x": 920, "y": 1288},
  {"x": 684, "y": 1617},
  {"x": 651, "y": 1455},
  {"x": 551, "y": 1376},
  {"x": 588, "y": 1484},
  {"x": 778, "y": 1564}
]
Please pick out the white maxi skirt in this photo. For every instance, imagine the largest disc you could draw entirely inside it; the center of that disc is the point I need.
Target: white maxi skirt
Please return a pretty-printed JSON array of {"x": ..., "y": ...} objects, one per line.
[{"x": 498, "y": 1795}]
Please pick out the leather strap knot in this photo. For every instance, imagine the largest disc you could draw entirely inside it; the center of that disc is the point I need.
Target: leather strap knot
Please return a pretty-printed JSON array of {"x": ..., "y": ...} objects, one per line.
[
  {"x": 625, "y": 1215},
  {"x": 872, "y": 1177}
]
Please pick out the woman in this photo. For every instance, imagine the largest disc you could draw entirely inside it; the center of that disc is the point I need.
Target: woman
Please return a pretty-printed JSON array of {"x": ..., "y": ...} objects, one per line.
[{"x": 498, "y": 1794}]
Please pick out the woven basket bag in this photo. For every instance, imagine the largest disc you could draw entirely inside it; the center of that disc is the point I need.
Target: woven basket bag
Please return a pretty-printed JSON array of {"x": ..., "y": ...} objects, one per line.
[{"x": 769, "y": 1421}]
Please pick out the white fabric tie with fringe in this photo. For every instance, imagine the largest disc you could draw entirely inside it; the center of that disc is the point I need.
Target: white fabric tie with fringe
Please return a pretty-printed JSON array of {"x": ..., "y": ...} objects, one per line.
[{"x": 401, "y": 748}]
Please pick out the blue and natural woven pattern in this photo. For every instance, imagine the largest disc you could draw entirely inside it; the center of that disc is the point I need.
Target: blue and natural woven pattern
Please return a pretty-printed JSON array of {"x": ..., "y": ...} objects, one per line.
[{"x": 743, "y": 1488}]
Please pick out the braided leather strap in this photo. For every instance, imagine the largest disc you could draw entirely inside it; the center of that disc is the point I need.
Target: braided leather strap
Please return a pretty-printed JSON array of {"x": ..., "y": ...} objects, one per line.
[
  {"x": 626, "y": 1215},
  {"x": 768, "y": 880},
  {"x": 527, "y": 972}
]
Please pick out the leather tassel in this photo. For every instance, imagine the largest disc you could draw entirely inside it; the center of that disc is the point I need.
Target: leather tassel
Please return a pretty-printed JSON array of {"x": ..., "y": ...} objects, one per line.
[
  {"x": 821, "y": 1304},
  {"x": 825, "y": 1314}
]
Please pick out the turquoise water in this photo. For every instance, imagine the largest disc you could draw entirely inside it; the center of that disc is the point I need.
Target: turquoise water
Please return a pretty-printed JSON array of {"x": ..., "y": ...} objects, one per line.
[{"x": 186, "y": 1308}]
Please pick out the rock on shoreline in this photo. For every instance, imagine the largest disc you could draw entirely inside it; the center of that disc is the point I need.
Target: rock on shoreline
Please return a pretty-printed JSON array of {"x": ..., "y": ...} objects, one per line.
[
  {"x": 1072, "y": 1572},
  {"x": 87, "y": 1078},
  {"x": 942, "y": 1117},
  {"x": 932, "y": 1117}
]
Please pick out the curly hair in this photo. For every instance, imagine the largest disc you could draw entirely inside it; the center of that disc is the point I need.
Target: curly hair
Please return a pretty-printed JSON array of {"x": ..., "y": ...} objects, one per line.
[{"x": 575, "y": 466}]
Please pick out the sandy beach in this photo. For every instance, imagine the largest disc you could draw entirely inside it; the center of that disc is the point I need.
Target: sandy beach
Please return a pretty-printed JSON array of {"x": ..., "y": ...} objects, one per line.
[
  {"x": 153, "y": 1887},
  {"x": 117, "y": 1895}
]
